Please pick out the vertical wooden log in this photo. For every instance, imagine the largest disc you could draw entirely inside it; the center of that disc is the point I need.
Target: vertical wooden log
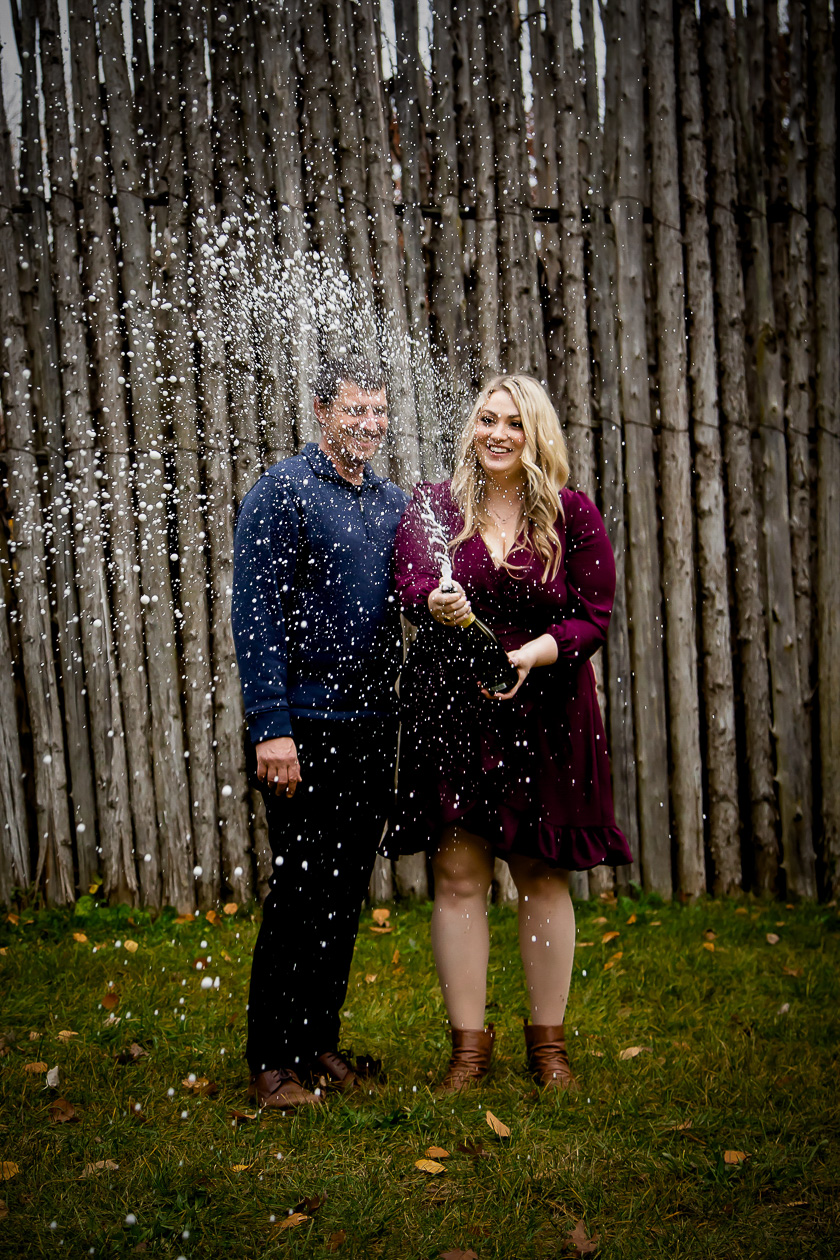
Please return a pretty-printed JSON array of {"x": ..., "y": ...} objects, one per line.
[
  {"x": 645, "y": 594},
  {"x": 171, "y": 785},
  {"x": 179, "y": 403},
  {"x": 319, "y": 155},
  {"x": 675, "y": 455},
  {"x": 446, "y": 281},
  {"x": 743, "y": 526},
  {"x": 788, "y": 710},
  {"x": 404, "y": 451},
  {"x": 604, "y": 332},
  {"x": 39, "y": 311},
  {"x": 827, "y": 316},
  {"x": 145, "y": 105},
  {"x": 52, "y": 812},
  {"x": 15, "y": 869},
  {"x": 99, "y": 272},
  {"x": 87, "y": 494},
  {"x": 712, "y": 556}
]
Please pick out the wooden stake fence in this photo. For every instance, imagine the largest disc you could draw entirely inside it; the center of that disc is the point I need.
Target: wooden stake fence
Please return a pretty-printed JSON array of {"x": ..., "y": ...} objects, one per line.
[{"x": 660, "y": 245}]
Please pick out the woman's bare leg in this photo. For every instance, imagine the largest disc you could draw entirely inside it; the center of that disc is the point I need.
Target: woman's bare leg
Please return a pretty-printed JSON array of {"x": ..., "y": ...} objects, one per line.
[
  {"x": 463, "y": 868},
  {"x": 546, "y": 936}
]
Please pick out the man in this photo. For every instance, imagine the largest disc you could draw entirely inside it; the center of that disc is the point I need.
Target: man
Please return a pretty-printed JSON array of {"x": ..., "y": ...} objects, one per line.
[{"x": 317, "y": 638}]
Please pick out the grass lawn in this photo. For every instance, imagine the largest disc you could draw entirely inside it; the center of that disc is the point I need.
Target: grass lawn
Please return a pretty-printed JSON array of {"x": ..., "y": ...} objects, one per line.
[{"x": 718, "y": 1138}]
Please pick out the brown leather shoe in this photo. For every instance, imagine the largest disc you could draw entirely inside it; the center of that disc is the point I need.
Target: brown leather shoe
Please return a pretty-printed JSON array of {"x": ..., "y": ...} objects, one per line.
[
  {"x": 547, "y": 1057},
  {"x": 335, "y": 1069},
  {"x": 281, "y": 1090},
  {"x": 470, "y": 1062}
]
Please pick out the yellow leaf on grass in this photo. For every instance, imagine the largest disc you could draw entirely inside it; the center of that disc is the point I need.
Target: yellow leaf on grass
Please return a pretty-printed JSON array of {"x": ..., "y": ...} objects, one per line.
[
  {"x": 101, "y": 1165},
  {"x": 583, "y": 944},
  {"x": 370, "y": 978},
  {"x": 131, "y": 946},
  {"x": 35, "y": 1068},
  {"x": 498, "y": 1126},
  {"x": 632, "y": 919},
  {"x": 242, "y": 1167},
  {"x": 429, "y": 1166},
  {"x": 742, "y": 910},
  {"x": 66, "y": 1034},
  {"x": 230, "y": 907},
  {"x": 4, "y": 951},
  {"x": 710, "y": 946},
  {"x": 772, "y": 938},
  {"x": 289, "y": 1222},
  {"x": 655, "y": 923},
  {"x": 734, "y": 1157},
  {"x": 185, "y": 918},
  {"x": 437, "y": 1152},
  {"x": 212, "y": 917},
  {"x": 8, "y": 1170},
  {"x": 600, "y": 920},
  {"x": 381, "y": 915},
  {"x": 632, "y": 1051},
  {"x": 80, "y": 937},
  {"x": 609, "y": 936},
  {"x": 14, "y": 919}
]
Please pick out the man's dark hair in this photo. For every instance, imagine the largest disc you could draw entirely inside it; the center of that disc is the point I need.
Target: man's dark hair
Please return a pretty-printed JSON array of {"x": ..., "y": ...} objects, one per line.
[{"x": 362, "y": 372}]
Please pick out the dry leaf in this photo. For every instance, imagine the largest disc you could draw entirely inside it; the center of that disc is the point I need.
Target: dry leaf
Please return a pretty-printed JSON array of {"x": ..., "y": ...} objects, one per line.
[
  {"x": 600, "y": 920},
  {"x": 583, "y": 944},
  {"x": 498, "y": 1126},
  {"x": 131, "y": 946},
  {"x": 80, "y": 937},
  {"x": 34, "y": 1036},
  {"x": 13, "y": 919},
  {"x": 35, "y": 1068},
  {"x": 213, "y": 917},
  {"x": 396, "y": 958},
  {"x": 111, "y": 1000},
  {"x": 709, "y": 945},
  {"x": 577, "y": 1237},
  {"x": 240, "y": 1117},
  {"x": 230, "y": 907},
  {"x": 793, "y": 971},
  {"x": 742, "y": 910},
  {"x": 132, "y": 1054},
  {"x": 62, "y": 1112},
  {"x": 101, "y": 1165},
  {"x": 336, "y": 1240},
  {"x": 296, "y": 1218},
  {"x": 185, "y": 918},
  {"x": 111, "y": 1021},
  {"x": 381, "y": 915},
  {"x": 3, "y": 951},
  {"x": 609, "y": 936},
  {"x": 8, "y": 1170},
  {"x": 429, "y": 1166},
  {"x": 382, "y": 931},
  {"x": 710, "y": 934},
  {"x": 632, "y": 919},
  {"x": 369, "y": 979},
  {"x": 66, "y": 1034},
  {"x": 632, "y": 1051},
  {"x": 734, "y": 1157},
  {"x": 474, "y": 1149},
  {"x": 201, "y": 1085},
  {"x": 313, "y": 1204},
  {"x": 242, "y": 1167},
  {"x": 52, "y": 1077},
  {"x": 437, "y": 1152},
  {"x": 772, "y": 938}
]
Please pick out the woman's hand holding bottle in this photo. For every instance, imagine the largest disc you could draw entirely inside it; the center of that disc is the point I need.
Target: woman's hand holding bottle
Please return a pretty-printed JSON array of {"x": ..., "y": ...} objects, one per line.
[{"x": 449, "y": 605}]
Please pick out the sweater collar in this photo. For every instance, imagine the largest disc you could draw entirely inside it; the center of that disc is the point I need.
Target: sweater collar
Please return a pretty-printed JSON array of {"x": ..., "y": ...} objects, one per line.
[{"x": 323, "y": 467}]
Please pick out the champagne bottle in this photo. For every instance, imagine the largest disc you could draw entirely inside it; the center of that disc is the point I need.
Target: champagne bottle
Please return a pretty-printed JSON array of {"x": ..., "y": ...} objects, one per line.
[{"x": 488, "y": 658}]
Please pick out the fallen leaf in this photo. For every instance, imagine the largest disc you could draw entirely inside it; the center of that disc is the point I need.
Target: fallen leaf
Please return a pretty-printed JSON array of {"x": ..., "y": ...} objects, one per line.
[
  {"x": 498, "y": 1126},
  {"x": 475, "y": 1149},
  {"x": 632, "y": 919},
  {"x": 793, "y": 971},
  {"x": 111, "y": 1000},
  {"x": 583, "y": 944},
  {"x": 199, "y": 964},
  {"x": 230, "y": 907},
  {"x": 312, "y": 1205},
  {"x": 742, "y": 910},
  {"x": 213, "y": 917},
  {"x": 734, "y": 1157},
  {"x": 784, "y": 1008},
  {"x": 772, "y": 939},
  {"x": 62, "y": 1112},
  {"x": 132, "y": 1054},
  {"x": 296, "y": 1218},
  {"x": 35, "y": 1068},
  {"x": 242, "y": 1167},
  {"x": 336, "y": 1240},
  {"x": 14, "y": 919},
  {"x": 8, "y": 1170},
  {"x": 609, "y": 936},
  {"x": 396, "y": 958},
  {"x": 101, "y": 1165},
  {"x": 598, "y": 1054},
  {"x": 655, "y": 923},
  {"x": 66, "y": 1034},
  {"x": 52, "y": 1077},
  {"x": 201, "y": 1085},
  {"x": 111, "y": 1021},
  {"x": 369, "y": 979},
  {"x": 682, "y": 1045},
  {"x": 796, "y": 1203},
  {"x": 709, "y": 945},
  {"x": 3, "y": 951},
  {"x": 686, "y": 1124},
  {"x": 226, "y": 957},
  {"x": 240, "y": 1117},
  {"x": 185, "y": 918},
  {"x": 80, "y": 937},
  {"x": 131, "y": 946},
  {"x": 429, "y": 1166},
  {"x": 780, "y": 922},
  {"x": 437, "y": 1152},
  {"x": 382, "y": 931},
  {"x": 577, "y": 1237},
  {"x": 381, "y": 915},
  {"x": 457, "y": 1254},
  {"x": 632, "y": 1051},
  {"x": 600, "y": 920},
  {"x": 34, "y": 1036}
]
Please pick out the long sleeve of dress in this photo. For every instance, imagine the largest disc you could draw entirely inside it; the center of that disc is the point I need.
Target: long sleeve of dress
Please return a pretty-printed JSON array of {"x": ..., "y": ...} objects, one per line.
[
  {"x": 265, "y": 553},
  {"x": 590, "y": 577}
]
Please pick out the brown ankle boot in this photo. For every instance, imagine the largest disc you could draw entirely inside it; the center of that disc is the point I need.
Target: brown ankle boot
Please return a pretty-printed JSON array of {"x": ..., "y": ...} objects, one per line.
[
  {"x": 547, "y": 1058},
  {"x": 470, "y": 1062}
]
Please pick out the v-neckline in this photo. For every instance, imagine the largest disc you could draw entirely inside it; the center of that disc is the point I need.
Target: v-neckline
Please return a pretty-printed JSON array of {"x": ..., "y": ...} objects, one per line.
[{"x": 492, "y": 558}]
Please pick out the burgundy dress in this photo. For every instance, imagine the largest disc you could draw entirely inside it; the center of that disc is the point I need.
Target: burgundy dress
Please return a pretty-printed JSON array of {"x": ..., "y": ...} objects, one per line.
[{"x": 531, "y": 774}]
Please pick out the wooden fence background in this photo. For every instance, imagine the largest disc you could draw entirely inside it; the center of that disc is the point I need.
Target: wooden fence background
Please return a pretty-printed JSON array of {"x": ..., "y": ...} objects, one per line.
[{"x": 636, "y": 202}]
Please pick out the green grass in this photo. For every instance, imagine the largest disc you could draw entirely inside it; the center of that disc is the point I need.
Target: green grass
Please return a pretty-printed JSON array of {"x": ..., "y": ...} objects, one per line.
[{"x": 741, "y": 1048}]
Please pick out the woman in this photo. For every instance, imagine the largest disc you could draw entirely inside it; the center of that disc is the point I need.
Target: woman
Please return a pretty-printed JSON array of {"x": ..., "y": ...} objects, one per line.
[{"x": 523, "y": 775}]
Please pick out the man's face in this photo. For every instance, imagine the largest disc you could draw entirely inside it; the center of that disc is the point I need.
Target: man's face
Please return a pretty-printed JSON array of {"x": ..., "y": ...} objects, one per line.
[{"x": 354, "y": 425}]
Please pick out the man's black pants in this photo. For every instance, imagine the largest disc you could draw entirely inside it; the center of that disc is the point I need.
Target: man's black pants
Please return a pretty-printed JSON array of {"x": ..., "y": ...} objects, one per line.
[{"x": 323, "y": 841}]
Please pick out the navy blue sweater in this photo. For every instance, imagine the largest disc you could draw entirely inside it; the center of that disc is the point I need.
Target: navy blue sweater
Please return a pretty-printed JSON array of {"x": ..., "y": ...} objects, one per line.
[{"x": 315, "y": 621}]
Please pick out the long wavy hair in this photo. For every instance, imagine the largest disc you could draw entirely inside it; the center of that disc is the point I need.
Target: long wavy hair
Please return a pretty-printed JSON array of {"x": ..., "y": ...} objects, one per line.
[{"x": 545, "y": 461}]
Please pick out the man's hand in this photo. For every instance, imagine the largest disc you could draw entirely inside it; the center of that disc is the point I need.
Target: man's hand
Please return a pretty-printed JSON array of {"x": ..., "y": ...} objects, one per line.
[{"x": 278, "y": 766}]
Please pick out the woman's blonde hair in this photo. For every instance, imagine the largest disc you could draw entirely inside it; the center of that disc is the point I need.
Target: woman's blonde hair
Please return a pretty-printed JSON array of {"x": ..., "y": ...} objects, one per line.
[{"x": 545, "y": 461}]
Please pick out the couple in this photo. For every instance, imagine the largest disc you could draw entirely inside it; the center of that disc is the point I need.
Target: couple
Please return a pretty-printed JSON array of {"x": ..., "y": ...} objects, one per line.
[{"x": 327, "y": 554}]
